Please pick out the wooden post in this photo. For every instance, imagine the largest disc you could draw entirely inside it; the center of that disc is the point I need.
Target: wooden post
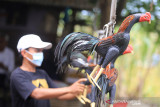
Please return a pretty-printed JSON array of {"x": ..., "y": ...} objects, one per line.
[{"x": 105, "y": 7}]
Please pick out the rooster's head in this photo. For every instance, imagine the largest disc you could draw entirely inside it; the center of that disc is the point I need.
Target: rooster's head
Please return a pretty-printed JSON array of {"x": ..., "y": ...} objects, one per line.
[{"x": 145, "y": 17}]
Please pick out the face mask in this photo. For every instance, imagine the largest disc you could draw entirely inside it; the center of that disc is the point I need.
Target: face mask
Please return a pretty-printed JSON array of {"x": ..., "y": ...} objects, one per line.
[{"x": 37, "y": 58}]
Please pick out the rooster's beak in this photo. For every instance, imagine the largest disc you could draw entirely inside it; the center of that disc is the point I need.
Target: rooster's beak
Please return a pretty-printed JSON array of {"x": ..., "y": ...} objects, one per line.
[
  {"x": 132, "y": 52},
  {"x": 150, "y": 22}
]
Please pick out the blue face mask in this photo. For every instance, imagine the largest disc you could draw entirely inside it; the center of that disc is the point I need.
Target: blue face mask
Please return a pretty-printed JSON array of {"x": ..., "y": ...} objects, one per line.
[{"x": 37, "y": 58}]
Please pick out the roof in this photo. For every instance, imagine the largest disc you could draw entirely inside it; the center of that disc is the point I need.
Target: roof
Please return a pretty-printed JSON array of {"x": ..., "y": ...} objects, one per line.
[{"x": 78, "y": 4}]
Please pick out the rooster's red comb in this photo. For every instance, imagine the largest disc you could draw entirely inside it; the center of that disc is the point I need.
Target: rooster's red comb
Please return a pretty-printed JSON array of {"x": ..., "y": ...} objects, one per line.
[{"x": 149, "y": 14}]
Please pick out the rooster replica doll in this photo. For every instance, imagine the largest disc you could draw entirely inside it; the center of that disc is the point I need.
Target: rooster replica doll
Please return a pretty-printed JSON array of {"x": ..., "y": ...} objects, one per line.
[
  {"x": 108, "y": 48},
  {"x": 107, "y": 83},
  {"x": 96, "y": 96}
]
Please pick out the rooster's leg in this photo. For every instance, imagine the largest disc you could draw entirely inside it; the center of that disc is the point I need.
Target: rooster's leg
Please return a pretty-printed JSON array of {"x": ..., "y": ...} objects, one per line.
[
  {"x": 97, "y": 77},
  {"x": 112, "y": 53},
  {"x": 94, "y": 71},
  {"x": 93, "y": 104},
  {"x": 93, "y": 96},
  {"x": 80, "y": 99},
  {"x": 112, "y": 63},
  {"x": 92, "y": 74},
  {"x": 111, "y": 105},
  {"x": 84, "y": 96},
  {"x": 112, "y": 95}
]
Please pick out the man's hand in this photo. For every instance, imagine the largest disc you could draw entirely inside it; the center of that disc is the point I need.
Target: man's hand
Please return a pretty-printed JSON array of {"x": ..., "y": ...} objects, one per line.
[{"x": 77, "y": 87}]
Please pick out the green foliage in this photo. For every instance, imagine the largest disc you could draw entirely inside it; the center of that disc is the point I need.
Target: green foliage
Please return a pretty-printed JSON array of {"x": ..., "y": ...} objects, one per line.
[
  {"x": 135, "y": 6},
  {"x": 137, "y": 68}
]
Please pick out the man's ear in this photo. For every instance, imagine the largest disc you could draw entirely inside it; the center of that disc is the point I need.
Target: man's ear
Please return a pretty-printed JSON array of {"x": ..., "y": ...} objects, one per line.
[{"x": 23, "y": 53}]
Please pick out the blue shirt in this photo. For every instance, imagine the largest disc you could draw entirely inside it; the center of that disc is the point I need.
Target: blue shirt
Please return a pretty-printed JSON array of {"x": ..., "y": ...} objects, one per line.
[{"x": 24, "y": 82}]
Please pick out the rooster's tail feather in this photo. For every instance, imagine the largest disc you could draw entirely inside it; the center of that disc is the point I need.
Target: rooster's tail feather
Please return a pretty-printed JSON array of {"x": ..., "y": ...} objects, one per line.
[{"x": 75, "y": 42}]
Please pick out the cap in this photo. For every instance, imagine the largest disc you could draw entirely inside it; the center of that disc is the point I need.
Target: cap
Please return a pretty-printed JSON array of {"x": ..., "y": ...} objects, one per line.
[{"x": 32, "y": 40}]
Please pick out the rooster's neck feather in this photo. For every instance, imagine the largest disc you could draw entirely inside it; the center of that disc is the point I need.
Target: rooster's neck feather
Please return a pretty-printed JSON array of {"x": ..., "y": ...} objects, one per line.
[{"x": 128, "y": 23}]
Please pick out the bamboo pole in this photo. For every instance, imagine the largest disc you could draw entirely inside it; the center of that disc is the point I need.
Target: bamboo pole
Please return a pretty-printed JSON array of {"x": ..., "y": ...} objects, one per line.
[
  {"x": 112, "y": 16},
  {"x": 109, "y": 28}
]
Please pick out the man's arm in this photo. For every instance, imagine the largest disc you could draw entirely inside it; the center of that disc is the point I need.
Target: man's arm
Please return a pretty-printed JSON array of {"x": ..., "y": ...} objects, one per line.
[
  {"x": 42, "y": 93},
  {"x": 71, "y": 96},
  {"x": 75, "y": 88},
  {"x": 68, "y": 96}
]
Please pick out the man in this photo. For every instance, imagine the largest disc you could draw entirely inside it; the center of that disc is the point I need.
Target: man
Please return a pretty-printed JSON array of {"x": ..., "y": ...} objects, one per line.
[
  {"x": 7, "y": 63},
  {"x": 32, "y": 87}
]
